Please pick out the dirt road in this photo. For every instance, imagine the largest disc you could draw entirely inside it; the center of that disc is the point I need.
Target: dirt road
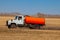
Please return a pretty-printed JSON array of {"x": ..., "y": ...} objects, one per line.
[{"x": 28, "y": 34}]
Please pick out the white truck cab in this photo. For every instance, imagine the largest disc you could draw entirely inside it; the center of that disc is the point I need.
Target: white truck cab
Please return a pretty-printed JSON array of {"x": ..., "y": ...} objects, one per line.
[{"x": 19, "y": 20}]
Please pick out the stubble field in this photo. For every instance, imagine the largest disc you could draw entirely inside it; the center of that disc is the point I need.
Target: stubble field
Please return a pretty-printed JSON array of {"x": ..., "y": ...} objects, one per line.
[{"x": 51, "y": 31}]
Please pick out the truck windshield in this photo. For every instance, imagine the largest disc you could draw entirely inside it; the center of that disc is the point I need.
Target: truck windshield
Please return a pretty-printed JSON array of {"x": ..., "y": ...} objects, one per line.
[{"x": 16, "y": 17}]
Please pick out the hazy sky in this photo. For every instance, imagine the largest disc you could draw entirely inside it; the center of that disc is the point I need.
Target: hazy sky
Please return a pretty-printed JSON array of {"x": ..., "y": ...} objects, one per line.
[{"x": 30, "y": 6}]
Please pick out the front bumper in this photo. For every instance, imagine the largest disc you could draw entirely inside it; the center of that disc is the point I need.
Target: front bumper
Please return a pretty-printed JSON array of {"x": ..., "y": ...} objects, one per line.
[{"x": 6, "y": 23}]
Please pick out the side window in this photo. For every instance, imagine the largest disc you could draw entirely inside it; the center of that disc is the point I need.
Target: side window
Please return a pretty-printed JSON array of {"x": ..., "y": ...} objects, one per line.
[{"x": 19, "y": 18}]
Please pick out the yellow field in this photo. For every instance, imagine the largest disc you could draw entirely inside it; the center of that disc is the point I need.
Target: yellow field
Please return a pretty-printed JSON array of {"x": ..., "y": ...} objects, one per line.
[
  {"x": 30, "y": 34},
  {"x": 53, "y": 23}
]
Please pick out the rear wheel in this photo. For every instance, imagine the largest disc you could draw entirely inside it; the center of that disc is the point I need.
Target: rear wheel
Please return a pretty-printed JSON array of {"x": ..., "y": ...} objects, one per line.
[
  {"x": 33, "y": 26},
  {"x": 37, "y": 26}
]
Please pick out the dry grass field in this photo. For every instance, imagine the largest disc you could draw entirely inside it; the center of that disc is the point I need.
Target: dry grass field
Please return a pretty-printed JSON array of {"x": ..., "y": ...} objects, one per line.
[{"x": 30, "y": 34}]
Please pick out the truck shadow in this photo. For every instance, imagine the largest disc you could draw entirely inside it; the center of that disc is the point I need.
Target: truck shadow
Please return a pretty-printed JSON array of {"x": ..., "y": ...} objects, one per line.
[
  {"x": 51, "y": 28},
  {"x": 45, "y": 28}
]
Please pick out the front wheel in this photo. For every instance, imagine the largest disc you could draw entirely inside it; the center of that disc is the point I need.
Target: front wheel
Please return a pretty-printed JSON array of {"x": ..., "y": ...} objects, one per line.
[{"x": 12, "y": 26}]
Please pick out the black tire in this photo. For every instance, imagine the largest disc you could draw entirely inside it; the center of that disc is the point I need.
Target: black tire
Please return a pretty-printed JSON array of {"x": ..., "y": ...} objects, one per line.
[
  {"x": 13, "y": 25},
  {"x": 34, "y": 26},
  {"x": 37, "y": 26}
]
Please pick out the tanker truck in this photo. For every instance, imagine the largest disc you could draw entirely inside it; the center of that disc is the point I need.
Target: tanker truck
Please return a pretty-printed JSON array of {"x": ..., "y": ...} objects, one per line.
[{"x": 26, "y": 21}]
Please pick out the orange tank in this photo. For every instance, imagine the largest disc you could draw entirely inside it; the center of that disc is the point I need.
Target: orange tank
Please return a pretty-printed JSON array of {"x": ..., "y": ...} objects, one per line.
[{"x": 34, "y": 20}]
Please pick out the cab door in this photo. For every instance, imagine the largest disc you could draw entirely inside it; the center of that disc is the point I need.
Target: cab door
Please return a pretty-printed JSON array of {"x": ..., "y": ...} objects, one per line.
[{"x": 20, "y": 20}]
